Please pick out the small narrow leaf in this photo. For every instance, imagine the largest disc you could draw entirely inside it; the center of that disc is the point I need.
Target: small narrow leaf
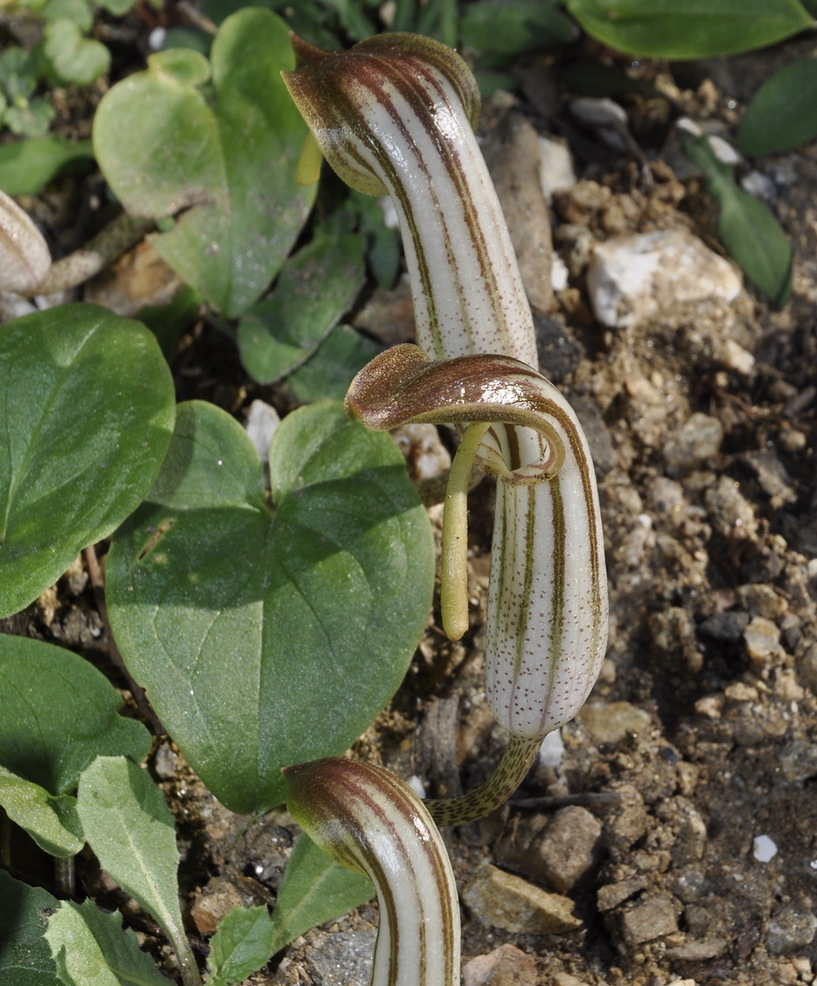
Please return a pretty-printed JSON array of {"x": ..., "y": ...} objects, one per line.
[
  {"x": 316, "y": 287},
  {"x": 129, "y": 827},
  {"x": 689, "y": 28},
  {"x": 746, "y": 226},
  {"x": 51, "y": 822},
  {"x": 783, "y": 114},
  {"x": 91, "y": 948},
  {"x": 315, "y": 889},
  {"x": 25, "y": 959},
  {"x": 26, "y": 166},
  {"x": 57, "y": 713},
  {"x": 242, "y": 944}
]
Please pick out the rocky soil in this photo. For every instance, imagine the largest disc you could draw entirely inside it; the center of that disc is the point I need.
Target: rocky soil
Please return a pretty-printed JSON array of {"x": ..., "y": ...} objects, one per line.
[{"x": 668, "y": 837}]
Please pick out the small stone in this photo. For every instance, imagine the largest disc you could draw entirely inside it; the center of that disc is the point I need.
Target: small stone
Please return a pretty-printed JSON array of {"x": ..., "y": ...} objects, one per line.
[
  {"x": 505, "y": 901},
  {"x": 632, "y": 279},
  {"x": 505, "y": 966},
  {"x": 555, "y": 167},
  {"x": 736, "y": 358},
  {"x": 558, "y": 851},
  {"x": 614, "y": 722},
  {"x": 343, "y": 958},
  {"x": 697, "y": 951},
  {"x": 763, "y": 848},
  {"x": 650, "y": 918},
  {"x": 695, "y": 443},
  {"x": 789, "y": 930},
  {"x": 729, "y": 512},
  {"x": 762, "y": 600},
  {"x": 218, "y": 897},
  {"x": 762, "y": 639},
  {"x": 798, "y": 761},
  {"x": 772, "y": 476},
  {"x": 725, "y": 627},
  {"x": 807, "y": 668},
  {"x": 613, "y": 894},
  {"x": 426, "y": 456}
]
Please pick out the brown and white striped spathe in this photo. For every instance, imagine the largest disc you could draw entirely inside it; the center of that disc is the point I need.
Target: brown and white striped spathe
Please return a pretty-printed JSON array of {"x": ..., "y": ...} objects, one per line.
[
  {"x": 369, "y": 820},
  {"x": 395, "y": 115}
]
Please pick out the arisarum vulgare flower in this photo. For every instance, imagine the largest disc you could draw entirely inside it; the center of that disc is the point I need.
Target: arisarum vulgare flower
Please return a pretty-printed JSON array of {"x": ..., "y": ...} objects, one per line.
[
  {"x": 395, "y": 114},
  {"x": 370, "y": 821}
]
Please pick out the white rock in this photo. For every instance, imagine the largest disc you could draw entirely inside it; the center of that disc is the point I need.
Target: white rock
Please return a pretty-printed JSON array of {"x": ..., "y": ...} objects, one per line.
[
  {"x": 260, "y": 426},
  {"x": 632, "y": 279},
  {"x": 552, "y": 750},
  {"x": 763, "y": 849},
  {"x": 559, "y": 273},
  {"x": 555, "y": 167}
]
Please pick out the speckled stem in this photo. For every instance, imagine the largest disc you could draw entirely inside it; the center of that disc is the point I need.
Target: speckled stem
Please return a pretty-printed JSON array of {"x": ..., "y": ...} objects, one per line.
[{"x": 518, "y": 758}]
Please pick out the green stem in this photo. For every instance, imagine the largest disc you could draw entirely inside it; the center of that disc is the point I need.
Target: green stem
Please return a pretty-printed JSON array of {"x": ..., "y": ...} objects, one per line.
[
  {"x": 454, "y": 549},
  {"x": 516, "y": 761},
  {"x": 64, "y": 875}
]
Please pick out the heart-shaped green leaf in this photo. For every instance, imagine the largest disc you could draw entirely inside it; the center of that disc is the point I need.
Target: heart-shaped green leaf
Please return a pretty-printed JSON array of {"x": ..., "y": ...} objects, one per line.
[
  {"x": 164, "y": 148},
  {"x": 57, "y": 713},
  {"x": 86, "y": 412},
  {"x": 315, "y": 289},
  {"x": 689, "y": 28},
  {"x": 269, "y": 634},
  {"x": 783, "y": 114}
]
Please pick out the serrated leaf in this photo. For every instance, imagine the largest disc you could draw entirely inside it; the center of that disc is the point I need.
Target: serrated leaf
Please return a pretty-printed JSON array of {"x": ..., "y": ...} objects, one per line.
[
  {"x": 70, "y": 58},
  {"x": 266, "y": 635},
  {"x": 57, "y": 713},
  {"x": 86, "y": 411},
  {"x": 315, "y": 289},
  {"x": 689, "y": 28},
  {"x": 240, "y": 946},
  {"x": 783, "y": 114},
  {"x": 315, "y": 889},
  {"x": 231, "y": 165},
  {"x": 91, "y": 948},
  {"x": 129, "y": 827},
  {"x": 25, "y": 959},
  {"x": 331, "y": 368},
  {"x": 746, "y": 226},
  {"x": 51, "y": 822}
]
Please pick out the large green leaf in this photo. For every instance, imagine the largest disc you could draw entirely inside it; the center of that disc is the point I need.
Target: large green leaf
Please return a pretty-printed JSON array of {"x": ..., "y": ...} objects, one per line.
[
  {"x": 746, "y": 226},
  {"x": 689, "y": 28},
  {"x": 316, "y": 288},
  {"x": 129, "y": 827},
  {"x": 163, "y": 148},
  {"x": 25, "y": 959},
  {"x": 86, "y": 411},
  {"x": 783, "y": 113},
  {"x": 51, "y": 822},
  {"x": 57, "y": 713},
  {"x": 91, "y": 948},
  {"x": 315, "y": 889},
  {"x": 271, "y": 634}
]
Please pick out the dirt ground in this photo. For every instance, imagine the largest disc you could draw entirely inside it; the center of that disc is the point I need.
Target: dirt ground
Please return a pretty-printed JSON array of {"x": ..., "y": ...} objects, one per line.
[{"x": 678, "y": 825}]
